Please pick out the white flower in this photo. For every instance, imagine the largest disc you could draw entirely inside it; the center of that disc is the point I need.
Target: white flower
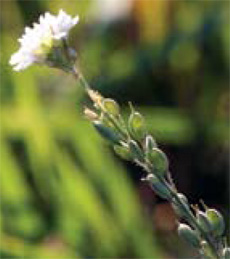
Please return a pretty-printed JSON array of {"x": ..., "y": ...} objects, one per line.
[{"x": 38, "y": 41}]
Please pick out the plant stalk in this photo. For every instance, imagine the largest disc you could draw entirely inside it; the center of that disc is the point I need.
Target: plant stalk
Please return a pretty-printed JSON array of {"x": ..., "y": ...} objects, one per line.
[{"x": 191, "y": 219}]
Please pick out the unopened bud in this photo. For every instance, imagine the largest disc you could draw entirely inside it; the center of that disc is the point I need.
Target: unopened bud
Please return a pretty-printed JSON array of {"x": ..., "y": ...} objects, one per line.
[
  {"x": 136, "y": 151},
  {"x": 90, "y": 115},
  {"x": 181, "y": 207},
  {"x": 123, "y": 152},
  {"x": 159, "y": 187},
  {"x": 137, "y": 125},
  {"x": 150, "y": 143},
  {"x": 111, "y": 106},
  {"x": 95, "y": 97},
  {"x": 107, "y": 132},
  {"x": 183, "y": 198},
  {"x": 159, "y": 161},
  {"x": 189, "y": 235},
  {"x": 203, "y": 221},
  {"x": 216, "y": 220},
  {"x": 226, "y": 253}
]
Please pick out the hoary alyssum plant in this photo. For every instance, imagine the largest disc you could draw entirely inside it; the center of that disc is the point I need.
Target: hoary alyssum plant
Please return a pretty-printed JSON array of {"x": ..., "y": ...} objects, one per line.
[{"x": 46, "y": 44}]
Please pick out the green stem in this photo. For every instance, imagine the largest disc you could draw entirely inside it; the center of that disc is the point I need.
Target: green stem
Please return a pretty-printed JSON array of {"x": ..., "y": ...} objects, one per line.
[{"x": 78, "y": 75}]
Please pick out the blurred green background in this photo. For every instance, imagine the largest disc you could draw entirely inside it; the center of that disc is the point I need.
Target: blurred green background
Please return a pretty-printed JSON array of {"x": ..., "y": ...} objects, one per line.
[{"x": 64, "y": 194}]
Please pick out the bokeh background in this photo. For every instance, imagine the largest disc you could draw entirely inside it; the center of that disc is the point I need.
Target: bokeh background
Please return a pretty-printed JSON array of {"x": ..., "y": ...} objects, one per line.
[{"x": 64, "y": 193}]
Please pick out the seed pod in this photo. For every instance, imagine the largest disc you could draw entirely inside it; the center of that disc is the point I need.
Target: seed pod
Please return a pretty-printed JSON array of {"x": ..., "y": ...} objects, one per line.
[
  {"x": 216, "y": 220},
  {"x": 158, "y": 187},
  {"x": 123, "y": 152},
  {"x": 181, "y": 210},
  {"x": 137, "y": 125},
  {"x": 226, "y": 253},
  {"x": 159, "y": 161},
  {"x": 107, "y": 132},
  {"x": 189, "y": 235},
  {"x": 150, "y": 143},
  {"x": 203, "y": 221},
  {"x": 111, "y": 106},
  {"x": 136, "y": 151}
]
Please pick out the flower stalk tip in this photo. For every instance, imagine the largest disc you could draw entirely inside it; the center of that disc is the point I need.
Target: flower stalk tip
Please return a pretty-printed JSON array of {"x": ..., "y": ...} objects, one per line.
[{"x": 42, "y": 43}]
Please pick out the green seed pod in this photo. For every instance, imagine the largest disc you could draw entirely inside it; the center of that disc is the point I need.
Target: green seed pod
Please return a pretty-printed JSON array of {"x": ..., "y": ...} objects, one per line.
[
  {"x": 216, "y": 220},
  {"x": 226, "y": 253},
  {"x": 137, "y": 125},
  {"x": 159, "y": 161},
  {"x": 203, "y": 221},
  {"x": 123, "y": 152},
  {"x": 181, "y": 210},
  {"x": 150, "y": 143},
  {"x": 111, "y": 106},
  {"x": 107, "y": 133},
  {"x": 189, "y": 235},
  {"x": 158, "y": 187},
  {"x": 136, "y": 151}
]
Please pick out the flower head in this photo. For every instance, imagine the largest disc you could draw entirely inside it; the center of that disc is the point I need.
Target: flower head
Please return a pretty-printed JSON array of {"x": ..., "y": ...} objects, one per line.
[{"x": 39, "y": 42}]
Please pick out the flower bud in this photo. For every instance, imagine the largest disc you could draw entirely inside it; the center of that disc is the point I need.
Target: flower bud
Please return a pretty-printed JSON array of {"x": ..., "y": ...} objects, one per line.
[
  {"x": 226, "y": 253},
  {"x": 95, "y": 97},
  {"x": 183, "y": 198},
  {"x": 136, "y": 151},
  {"x": 181, "y": 210},
  {"x": 203, "y": 221},
  {"x": 107, "y": 132},
  {"x": 123, "y": 152},
  {"x": 137, "y": 125},
  {"x": 150, "y": 143},
  {"x": 159, "y": 161},
  {"x": 216, "y": 220},
  {"x": 158, "y": 187},
  {"x": 189, "y": 235},
  {"x": 111, "y": 106},
  {"x": 90, "y": 115}
]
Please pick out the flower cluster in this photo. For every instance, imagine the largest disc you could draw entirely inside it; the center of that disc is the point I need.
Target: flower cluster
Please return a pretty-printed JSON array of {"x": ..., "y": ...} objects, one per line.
[
  {"x": 39, "y": 42},
  {"x": 201, "y": 229}
]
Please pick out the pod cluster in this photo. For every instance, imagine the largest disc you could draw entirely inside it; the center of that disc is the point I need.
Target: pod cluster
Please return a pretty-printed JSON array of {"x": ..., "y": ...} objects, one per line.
[{"x": 130, "y": 140}]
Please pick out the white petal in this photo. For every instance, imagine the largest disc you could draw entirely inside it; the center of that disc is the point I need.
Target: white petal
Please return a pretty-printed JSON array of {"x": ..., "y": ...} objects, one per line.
[{"x": 32, "y": 40}]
